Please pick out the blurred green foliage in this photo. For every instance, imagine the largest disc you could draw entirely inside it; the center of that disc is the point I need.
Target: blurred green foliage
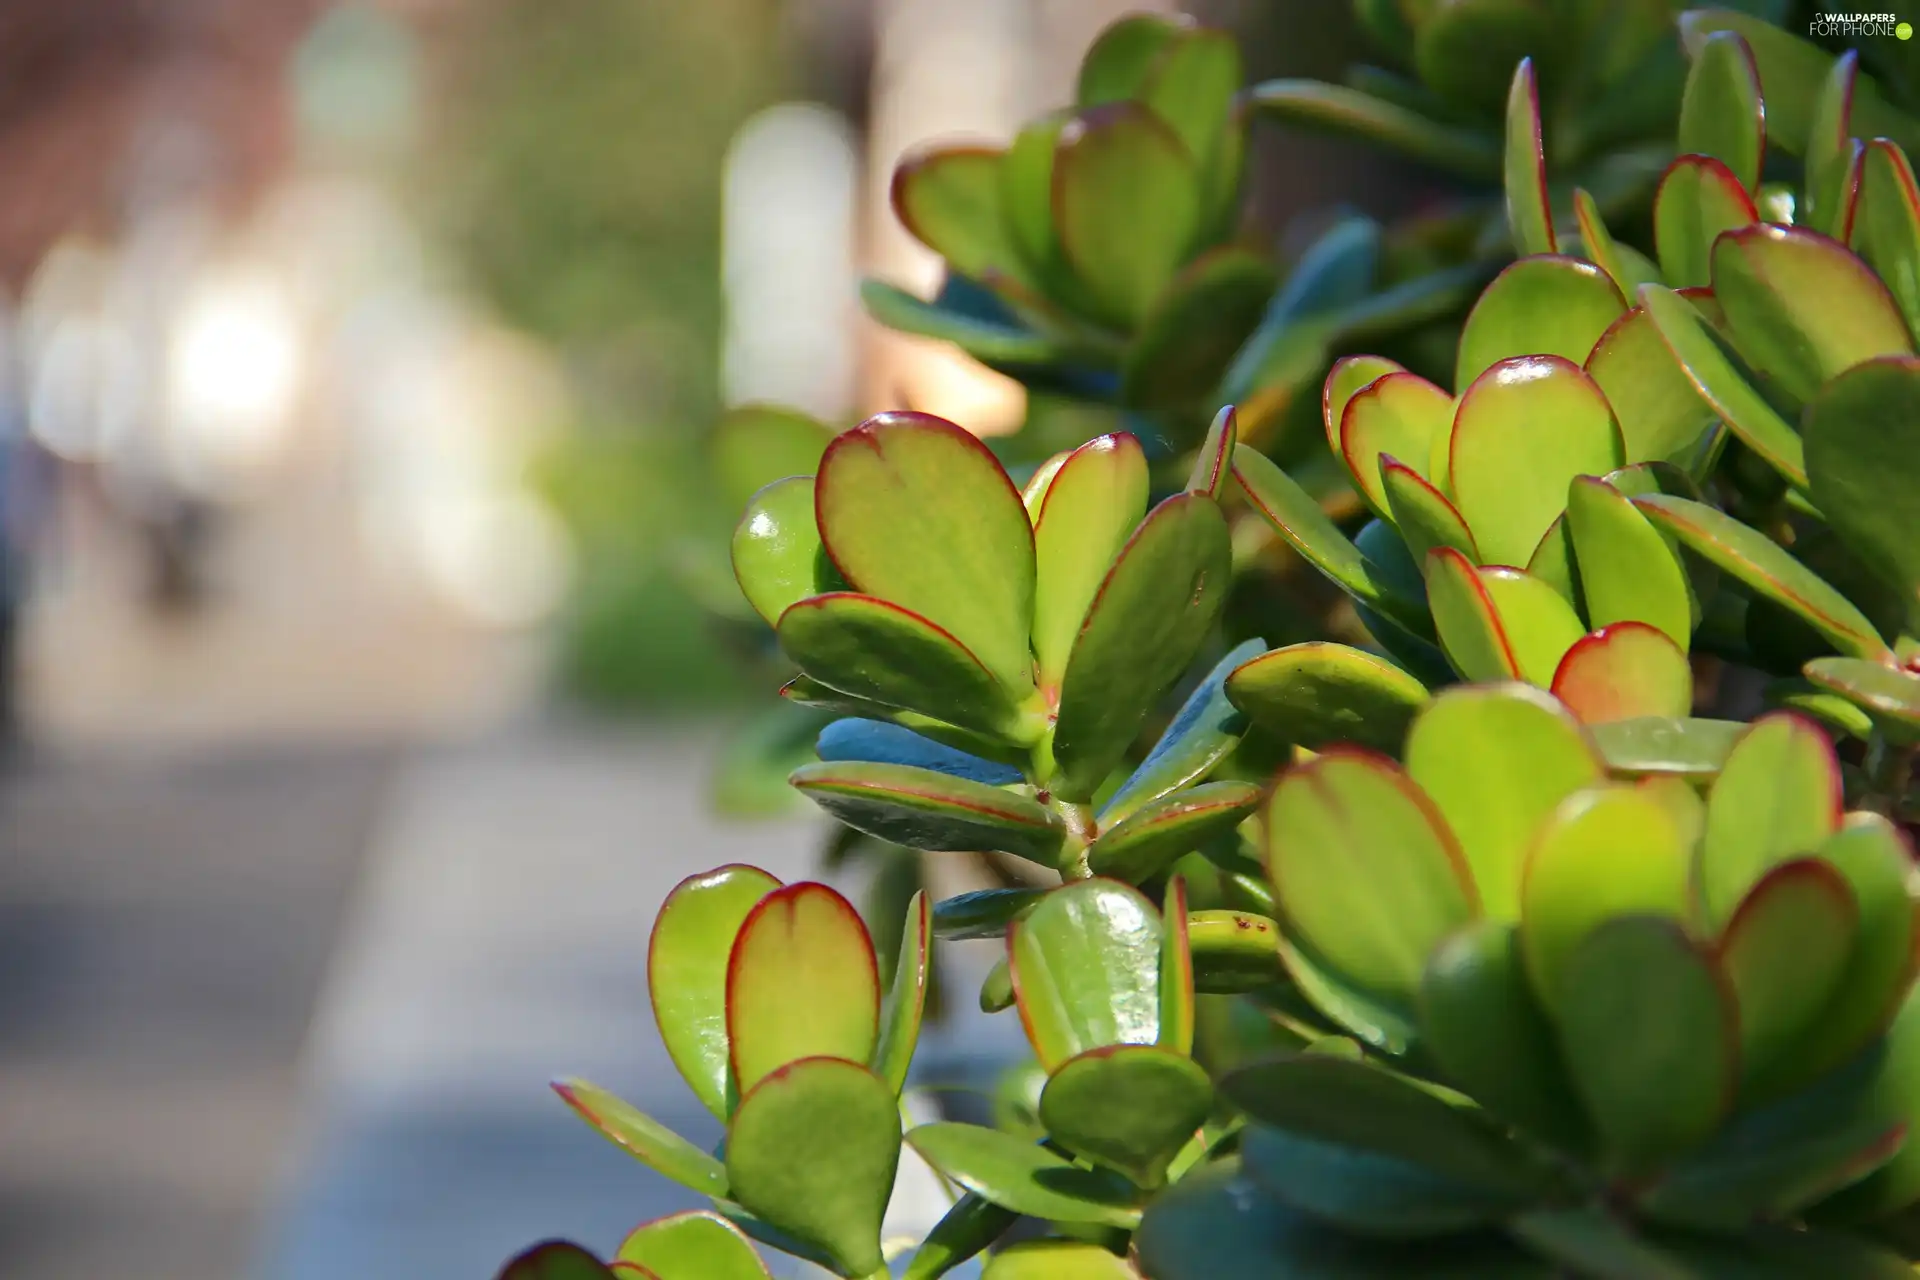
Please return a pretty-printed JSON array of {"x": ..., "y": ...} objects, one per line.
[{"x": 575, "y": 173}]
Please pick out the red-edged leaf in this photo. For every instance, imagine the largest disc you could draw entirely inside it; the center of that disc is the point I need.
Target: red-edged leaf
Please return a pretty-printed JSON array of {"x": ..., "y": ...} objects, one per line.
[
  {"x": 1624, "y": 671},
  {"x": 802, "y": 982}
]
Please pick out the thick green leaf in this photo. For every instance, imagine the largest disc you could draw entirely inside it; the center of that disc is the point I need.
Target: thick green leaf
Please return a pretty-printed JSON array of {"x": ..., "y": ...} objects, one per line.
[
  {"x": 996, "y": 989},
  {"x": 1596, "y": 1243},
  {"x": 1896, "y": 1088},
  {"x": 1553, "y": 563},
  {"x": 915, "y": 510},
  {"x": 1598, "y": 244},
  {"x": 1830, "y": 144},
  {"x": 1126, "y": 203},
  {"x": 644, "y": 1138},
  {"x": 776, "y": 548},
  {"x": 1093, "y": 501},
  {"x": 1498, "y": 623},
  {"x": 950, "y": 199},
  {"x": 1481, "y": 1024},
  {"x": 1792, "y": 70},
  {"x": 1349, "y": 376},
  {"x": 1425, "y": 517},
  {"x": 1365, "y": 869},
  {"x": 1365, "y": 1193},
  {"x": 1120, "y": 59},
  {"x": 1722, "y": 385},
  {"x": 1466, "y": 51},
  {"x": 1802, "y": 307},
  {"x": 756, "y": 444},
  {"x": 888, "y": 654},
  {"x": 1543, "y": 305},
  {"x": 1628, "y": 572},
  {"x": 1698, "y": 198},
  {"x": 1890, "y": 697},
  {"x": 1647, "y": 1026},
  {"x": 906, "y": 1002},
  {"x": 993, "y": 341},
  {"x": 1662, "y": 416},
  {"x": 1509, "y": 474},
  {"x": 1191, "y": 86},
  {"x": 1777, "y": 796},
  {"x": 1389, "y": 1028},
  {"x": 687, "y": 1246},
  {"x": 1609, "y": 851},
  {"x": 1496, "y": 760},
  {"x": 1666, "y": 746},
  {"x": 1624, "y": 671},
  {"x": 813, "y": 1151},
  {"x": 1085, "y": 965},
  {"x": 1028, "y": 1179},
  {"x": 1233, "y": 950},
  {"x": 1218, "y": 1224},
  {"x": 1213, "y": 465},
  {"x": 1780, "y": 1252},
  {"x": 687, "y": 974},
  {"x": 1766, "y": 568},
  {"x": 802, "y": 982},
  {"x": 555, "y": 1260},
  {"x": 883, "y": 742},
  {"x": 1177, "y": 1007},
  {"x": 965, "y": 1230},
  {"x": 1876, "y": 861},
  {"x": 1355, "y": 1104},
  {"x": 1148, "y": 842},
  {"x": 1864, "y": 470},
  {"x": 1886, "y": 225},
  {"x": 1306, "y": 528},
  {"x": 1783, "y": 951},
  {"x": 1130, "y": 1108},
  {"x": 1149, "y": 618},
  {"x": 1320, "y": 693},
  {"x": 1058, "y": 1260},
  {"x": 1529, "y": 212},
  {"x": 926, "y": 810},
  {"x": 1190, "y": 334},
  {"x": 1399, "y": 415},
  {"x": 1333, "y": 108},
  {"x": 984, "y": 913},
  {"x": 805, "y": 691},
  {"x": 1720, "y": 112},
  {"x": 1026, "y": 202},
  {"x": 1202, "y": 732}
]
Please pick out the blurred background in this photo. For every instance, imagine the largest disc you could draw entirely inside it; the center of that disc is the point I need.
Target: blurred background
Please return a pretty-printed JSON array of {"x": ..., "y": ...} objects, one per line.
[{"x": 364, "y": 675}]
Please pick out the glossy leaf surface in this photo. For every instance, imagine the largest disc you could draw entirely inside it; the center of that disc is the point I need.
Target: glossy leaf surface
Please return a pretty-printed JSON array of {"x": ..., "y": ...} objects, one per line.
[
  {"x": 1398, "y": 414},
  {"x": 1662, "y": 416},
  {"x": 1886, "y": 226},
  {"x": 687, "y": 974},
  {"x": 1666, "y": 746},
  {"x": 1543, "y": 305},
  {"x": 1202, "y": 732},
  {"x": 883, "y": 742},
  {"x": 644, "y": 1138},
  {"x": 1425, "y": 517},
  {"x": 1086, "y": 969},
  {"x": 1499, "y": 623},
  {"x": 1628, "y": 572},
  {"x": 776, "y": 547},
  {"x": 905, "y": 1005},
  {"x": 1508, "y": 468},
  {"x": 1698, "y": 198},
  {"x": 692, "y": 1244},
  {"x": 1783, "y": 950},
  {"x": 1890, "y": 697},
  {"x": 1865, "y": 471},
  {"x": 1721, "y": 113},
  {"x": 1529, "y": 212}
]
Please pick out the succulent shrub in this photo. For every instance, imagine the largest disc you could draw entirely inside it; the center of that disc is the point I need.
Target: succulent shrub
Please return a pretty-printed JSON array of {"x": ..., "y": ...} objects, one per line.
[{"x": 1546, "y": 954}]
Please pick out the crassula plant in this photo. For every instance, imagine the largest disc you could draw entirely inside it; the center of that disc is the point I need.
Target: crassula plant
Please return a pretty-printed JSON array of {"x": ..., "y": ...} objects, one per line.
[{"x": 1577, "y": 935}]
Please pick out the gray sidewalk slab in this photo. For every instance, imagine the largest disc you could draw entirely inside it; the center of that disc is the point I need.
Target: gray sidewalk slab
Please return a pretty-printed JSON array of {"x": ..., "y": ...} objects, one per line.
[{"x": 500, "y": 940}]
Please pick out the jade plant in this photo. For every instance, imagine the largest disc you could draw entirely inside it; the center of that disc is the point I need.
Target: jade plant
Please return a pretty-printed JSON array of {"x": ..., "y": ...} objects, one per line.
[{"x": 1577, "y": 933}]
